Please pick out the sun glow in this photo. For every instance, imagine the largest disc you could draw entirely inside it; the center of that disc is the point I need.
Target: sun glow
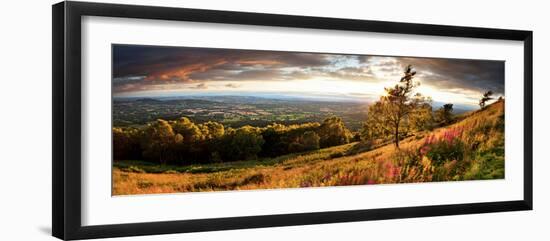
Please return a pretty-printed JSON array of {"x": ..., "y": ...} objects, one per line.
[
  {"x": 462, "y": 96},
  {"x": 341, "y": 87},
  {"x": 351, "y": 89}
]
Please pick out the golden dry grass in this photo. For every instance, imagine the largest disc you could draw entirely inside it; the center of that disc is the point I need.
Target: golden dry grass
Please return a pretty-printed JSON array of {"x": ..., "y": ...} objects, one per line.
[{"x": 333, "y": 166}]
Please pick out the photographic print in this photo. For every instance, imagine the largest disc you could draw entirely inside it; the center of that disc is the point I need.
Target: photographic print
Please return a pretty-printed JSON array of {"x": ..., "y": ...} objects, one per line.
[{"x": 192, "y": 119}]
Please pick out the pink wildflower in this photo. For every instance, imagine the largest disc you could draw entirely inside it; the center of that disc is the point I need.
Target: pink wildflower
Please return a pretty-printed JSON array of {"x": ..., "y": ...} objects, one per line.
[
  {"x": 392, "y": 170},
  {"x": 424, "y": 150}
]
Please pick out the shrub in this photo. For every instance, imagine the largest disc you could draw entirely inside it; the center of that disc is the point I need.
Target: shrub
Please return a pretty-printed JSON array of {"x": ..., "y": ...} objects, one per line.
[
  {"x": 257, "y": 178},
  {"x": 295, "y": 147},
  {"x": 142, "y": 184},
  {"x": 336, "y": 155},
  {"x": 413, "y": 167},
  {"x": 448, "y": 147},
  {"x": 310, "y": 140}
]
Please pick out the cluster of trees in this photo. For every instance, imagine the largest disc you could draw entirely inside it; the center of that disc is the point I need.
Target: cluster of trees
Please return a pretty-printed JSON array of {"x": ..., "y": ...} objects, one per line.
[
  {"x": 184, "y": 142},
  {"x": 402, "y": 111}
]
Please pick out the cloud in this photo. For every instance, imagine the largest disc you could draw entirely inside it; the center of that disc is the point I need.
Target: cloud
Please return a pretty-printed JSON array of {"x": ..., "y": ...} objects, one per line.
[
  {"x": 362, "y": 73},
  {"x": 201, "y": 86},
  {"x": 453, "y": 75},
  {"x": 142, "y": 68},
  {"x": 258, "y": 62},
  {"x": 178, "y": 64},
  {"x": 232, "y": 85},
  {"x": 128, "y": 79},
  {"x": 459, "y": 74}
]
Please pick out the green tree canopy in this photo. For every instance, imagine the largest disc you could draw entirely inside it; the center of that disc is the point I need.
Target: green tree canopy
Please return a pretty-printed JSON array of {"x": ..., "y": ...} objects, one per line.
[
  {"x": 187, "y": 129},
  {"x": 243, "y": 144},
  {"x": 158, "y": 138},
  {"x": 333, "y": 132},
  {"x": 392, "y": 113},
  {"x": 444, "y": 115},
  {"x": 310, "y": 140}
]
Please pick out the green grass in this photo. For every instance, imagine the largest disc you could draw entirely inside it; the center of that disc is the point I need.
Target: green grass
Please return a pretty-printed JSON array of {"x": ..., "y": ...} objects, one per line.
[{"x": 289, "y": 160}]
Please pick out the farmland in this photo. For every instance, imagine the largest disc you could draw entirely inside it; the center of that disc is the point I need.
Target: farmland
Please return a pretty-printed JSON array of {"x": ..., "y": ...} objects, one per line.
[{"x": 235, "y": 111}]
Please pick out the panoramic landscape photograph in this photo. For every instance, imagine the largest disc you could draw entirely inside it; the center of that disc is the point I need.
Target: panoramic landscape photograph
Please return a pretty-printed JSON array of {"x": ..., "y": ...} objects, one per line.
[{"x": 192, "y": 119}]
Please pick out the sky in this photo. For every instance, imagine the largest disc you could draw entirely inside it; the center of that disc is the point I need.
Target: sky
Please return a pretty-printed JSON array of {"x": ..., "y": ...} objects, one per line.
[{"x": 150, "y": 71}]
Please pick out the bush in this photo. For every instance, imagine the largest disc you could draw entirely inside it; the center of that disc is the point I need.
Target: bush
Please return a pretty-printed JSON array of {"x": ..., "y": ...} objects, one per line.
[
  {"x": 336, "y": 155},
  {"x": 447, "y": 148},
  {"x": 310, "y": 141},
  {"x": 258, "y": 178},
  {"x": 295, "y": 147}
]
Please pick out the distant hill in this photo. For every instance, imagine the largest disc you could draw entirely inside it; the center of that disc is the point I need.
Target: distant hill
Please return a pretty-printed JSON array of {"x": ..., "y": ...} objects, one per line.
[
  {"x": 457, "y": 108},
  {"x": 164, "y": 101},
  {"x": 147, "y": 100}
]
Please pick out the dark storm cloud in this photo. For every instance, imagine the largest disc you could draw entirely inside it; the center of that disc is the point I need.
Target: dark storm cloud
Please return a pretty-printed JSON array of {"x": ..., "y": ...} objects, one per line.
[
  {"x": 142, "y": 68},
  {"x": 165, "y": 65},
  {"x": 456, "y": 73},
  {"x": 250, "y": 74}
]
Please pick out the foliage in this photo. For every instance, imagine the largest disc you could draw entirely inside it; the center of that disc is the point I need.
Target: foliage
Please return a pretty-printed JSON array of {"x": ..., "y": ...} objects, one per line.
[
  {"x": 310, "y": 141},
  {"x": 470, "y": 149},
  {"x": 181, "y": 155},
  {"x": 487, "y": 96},
  {"x": 242, "y": 144},
  {"x": 158, "y": 139},
  {"x": 421, "y": 118},
  {"x": 183, "y": 142},
  {"x": 126, "y": 143},
  {"x": 283, "y": 139},
  {"x": 444, "y": 115},
  {"x": 389, "y": 116},
  {"x": 447, "y": 147},
  {"x": 333, "y": 132}
]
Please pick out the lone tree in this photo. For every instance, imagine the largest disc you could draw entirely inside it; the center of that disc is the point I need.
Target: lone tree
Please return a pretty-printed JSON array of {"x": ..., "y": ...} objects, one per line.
[
  {"x": 389, "y": 115},
  {"x": 444, "y": 115},
  {"x": 486, "y": 97}
]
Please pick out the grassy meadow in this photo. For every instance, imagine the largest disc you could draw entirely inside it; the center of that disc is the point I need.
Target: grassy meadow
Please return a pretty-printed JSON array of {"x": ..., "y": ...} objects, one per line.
[{"x": 469, "y": 148}]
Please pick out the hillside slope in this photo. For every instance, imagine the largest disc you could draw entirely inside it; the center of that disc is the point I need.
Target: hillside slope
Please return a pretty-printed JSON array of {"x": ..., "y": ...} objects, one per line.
[{"x": 470, "y": 149}]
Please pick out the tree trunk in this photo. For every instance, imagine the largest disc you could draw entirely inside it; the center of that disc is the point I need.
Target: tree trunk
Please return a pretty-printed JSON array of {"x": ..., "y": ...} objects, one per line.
[
  {"x": 397, "y": 136},
  {"x": 161, "y": 156}
]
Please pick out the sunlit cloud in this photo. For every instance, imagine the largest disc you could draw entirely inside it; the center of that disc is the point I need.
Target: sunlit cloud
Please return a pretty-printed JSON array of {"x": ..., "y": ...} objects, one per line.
[{"x": 152, "y": 71}]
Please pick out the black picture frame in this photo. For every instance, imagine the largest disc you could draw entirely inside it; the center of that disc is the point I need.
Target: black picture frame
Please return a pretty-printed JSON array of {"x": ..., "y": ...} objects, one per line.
[{"x": 66, "y": 128}]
